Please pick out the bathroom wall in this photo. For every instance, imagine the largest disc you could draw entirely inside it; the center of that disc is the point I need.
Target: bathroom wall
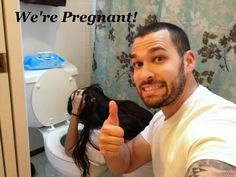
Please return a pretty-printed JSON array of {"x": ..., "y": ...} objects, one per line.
[{"x": 71, "y": 40}]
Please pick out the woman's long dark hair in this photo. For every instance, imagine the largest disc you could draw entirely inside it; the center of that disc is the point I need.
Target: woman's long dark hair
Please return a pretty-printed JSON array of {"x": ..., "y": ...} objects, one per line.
[{"x": 132, "y": 118}]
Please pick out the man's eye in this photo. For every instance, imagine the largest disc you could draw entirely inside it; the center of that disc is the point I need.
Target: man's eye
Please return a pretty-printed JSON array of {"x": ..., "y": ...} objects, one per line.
[
  {"x": 159, "y": 59},
  {"x": 137, "y": 64}
]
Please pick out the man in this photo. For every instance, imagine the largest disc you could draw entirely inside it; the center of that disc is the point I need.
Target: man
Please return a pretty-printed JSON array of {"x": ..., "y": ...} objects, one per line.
[{"x": 194, "y": 134}]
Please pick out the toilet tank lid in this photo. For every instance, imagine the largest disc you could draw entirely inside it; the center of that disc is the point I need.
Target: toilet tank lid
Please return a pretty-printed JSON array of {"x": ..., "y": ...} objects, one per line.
[{"x": 32, "y": 76}]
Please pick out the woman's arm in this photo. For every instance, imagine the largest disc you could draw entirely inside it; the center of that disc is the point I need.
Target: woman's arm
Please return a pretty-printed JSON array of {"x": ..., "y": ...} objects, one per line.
[
  {"x": 72, "y": 132},
  {"x": 72, "y": 135}
]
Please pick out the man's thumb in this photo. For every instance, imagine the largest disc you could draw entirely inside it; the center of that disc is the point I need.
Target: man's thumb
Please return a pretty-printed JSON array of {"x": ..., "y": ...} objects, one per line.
[{"x": 113, "y": 114}]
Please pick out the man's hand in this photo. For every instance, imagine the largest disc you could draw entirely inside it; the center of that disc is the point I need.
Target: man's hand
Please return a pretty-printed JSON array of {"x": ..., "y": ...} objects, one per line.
[{"x": 111, "y": 136}]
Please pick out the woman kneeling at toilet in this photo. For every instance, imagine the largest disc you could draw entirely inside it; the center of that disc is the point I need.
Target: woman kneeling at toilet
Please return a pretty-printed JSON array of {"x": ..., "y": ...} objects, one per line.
[{"x": 89, "y": 106}]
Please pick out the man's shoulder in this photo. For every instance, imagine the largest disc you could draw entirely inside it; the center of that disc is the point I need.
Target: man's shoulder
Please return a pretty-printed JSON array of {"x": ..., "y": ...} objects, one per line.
[
  {"x": 158, "y": 117},
  {"x": 212, "y": 102}
]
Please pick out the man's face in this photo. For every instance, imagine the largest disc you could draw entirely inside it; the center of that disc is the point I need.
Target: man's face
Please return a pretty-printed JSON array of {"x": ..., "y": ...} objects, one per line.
[{"x": 159, "y": 73}]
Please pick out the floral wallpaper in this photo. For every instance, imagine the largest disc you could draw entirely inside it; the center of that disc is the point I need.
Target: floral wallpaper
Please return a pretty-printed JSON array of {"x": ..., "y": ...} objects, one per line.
[{"x": 210, "y": 25}]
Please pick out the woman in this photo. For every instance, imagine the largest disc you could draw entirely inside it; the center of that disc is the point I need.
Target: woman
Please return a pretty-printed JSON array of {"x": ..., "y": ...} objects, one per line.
[{"x": 89, "y": 106}]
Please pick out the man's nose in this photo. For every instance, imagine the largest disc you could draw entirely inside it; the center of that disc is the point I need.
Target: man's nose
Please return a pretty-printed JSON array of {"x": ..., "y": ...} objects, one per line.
[{"x": 147, "y": 73}]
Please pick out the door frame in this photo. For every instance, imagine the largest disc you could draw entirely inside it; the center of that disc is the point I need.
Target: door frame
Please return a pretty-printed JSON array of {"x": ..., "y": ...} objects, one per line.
[{"x": 16, "y": 95}]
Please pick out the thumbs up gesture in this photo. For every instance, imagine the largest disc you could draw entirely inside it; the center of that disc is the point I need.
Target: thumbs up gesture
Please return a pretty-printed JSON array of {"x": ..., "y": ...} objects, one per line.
[{"x": 111, "y": 135}]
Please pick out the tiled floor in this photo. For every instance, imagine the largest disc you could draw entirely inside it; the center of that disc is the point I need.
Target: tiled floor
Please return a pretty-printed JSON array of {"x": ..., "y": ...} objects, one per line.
[{"x": 39, "y": 162}]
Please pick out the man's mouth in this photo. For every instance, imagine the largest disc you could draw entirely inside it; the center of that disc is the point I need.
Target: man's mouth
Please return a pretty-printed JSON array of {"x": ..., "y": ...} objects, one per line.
[{"x": 152, "y": 87}]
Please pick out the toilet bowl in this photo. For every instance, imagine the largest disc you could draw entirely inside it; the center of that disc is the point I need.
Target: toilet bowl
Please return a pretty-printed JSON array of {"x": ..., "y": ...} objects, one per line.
[
  {"x": 55, "y": 153},
  {"x": 47, "y": 93}
]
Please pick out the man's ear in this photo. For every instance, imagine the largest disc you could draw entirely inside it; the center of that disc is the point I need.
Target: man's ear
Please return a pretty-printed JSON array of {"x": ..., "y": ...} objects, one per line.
[{"x": 190, "y": 60}]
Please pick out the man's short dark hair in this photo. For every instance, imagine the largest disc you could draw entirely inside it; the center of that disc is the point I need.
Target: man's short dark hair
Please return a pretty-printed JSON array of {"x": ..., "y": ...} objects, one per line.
[{"x": 177, "y": 35}]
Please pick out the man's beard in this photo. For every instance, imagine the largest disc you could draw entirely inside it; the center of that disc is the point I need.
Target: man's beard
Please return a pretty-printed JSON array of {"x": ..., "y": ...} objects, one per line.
[{"x": 173, "y": 90}]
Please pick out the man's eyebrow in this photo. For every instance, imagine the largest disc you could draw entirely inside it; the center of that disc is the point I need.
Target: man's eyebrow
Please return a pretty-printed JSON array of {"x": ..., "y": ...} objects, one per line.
[{"x": 153, "y": 49}]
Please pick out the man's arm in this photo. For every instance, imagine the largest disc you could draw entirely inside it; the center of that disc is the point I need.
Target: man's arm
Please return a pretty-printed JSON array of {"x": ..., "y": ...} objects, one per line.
[
  {"x": 120, "y": 157},
  {"x": 211, "y": 168},
  {"x": 140, "y": 152},
  {"x": 131, "y": 156}
]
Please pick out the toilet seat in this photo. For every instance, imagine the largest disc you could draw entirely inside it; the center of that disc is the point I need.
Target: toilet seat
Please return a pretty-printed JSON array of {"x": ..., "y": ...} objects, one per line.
[
  {"x": 50, "y": 95},
  {"x": 56, "y": 153},
  {"x": 54, "y": 146}
]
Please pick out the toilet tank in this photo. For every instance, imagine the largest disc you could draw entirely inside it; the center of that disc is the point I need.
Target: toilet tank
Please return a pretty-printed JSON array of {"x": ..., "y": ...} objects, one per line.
[{"x": 32, "y": 80}]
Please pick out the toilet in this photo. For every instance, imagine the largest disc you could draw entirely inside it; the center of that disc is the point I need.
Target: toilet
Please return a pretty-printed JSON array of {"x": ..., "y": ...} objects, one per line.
[{"x": 47, "y": 93}]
